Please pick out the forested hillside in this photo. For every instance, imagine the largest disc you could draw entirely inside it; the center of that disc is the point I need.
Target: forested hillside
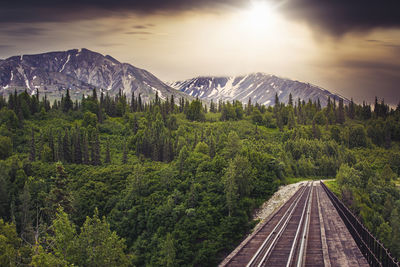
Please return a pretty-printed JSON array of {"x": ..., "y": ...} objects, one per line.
[{"x": 111, "y": 181}]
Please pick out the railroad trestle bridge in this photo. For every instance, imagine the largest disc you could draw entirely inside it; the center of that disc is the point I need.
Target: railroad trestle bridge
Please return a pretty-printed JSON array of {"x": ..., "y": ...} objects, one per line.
[{"x": 313, "y": 228}]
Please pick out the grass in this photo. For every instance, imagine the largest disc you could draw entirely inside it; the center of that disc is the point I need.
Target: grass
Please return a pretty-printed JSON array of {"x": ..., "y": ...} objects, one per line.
[
  {"x": 293, "y": 180},
  {"x": 333, "y": 186}
]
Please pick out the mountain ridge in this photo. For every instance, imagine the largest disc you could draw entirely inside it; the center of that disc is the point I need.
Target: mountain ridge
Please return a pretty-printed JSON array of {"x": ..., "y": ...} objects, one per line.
[
  {"x": 80, "y": 70},
  {"x": 259, "y": 87}
]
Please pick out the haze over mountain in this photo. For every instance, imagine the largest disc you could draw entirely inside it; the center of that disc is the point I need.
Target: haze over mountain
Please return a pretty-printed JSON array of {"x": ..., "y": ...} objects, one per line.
[
  {"x": 259, "y": 87},
  {"x": 82, "y": 70},
  {"x": 79, "y": 70}
]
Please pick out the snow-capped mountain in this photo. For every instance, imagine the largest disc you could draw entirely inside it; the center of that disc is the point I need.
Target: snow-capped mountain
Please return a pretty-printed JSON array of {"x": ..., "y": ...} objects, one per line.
[
  {"x": 260, "y": 87},
  {"x": 81, "y": 71}
]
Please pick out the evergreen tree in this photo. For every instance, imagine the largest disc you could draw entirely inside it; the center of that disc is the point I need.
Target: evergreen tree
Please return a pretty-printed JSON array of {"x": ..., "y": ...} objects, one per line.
[
  {"x": 133, "y": 102},
  {"x": 195, "y": 111},
  {"x": 167, "y": 150},
  {"x": 334, "y": 105},
  {"x": 157, "y": 99},
  {"x": 100, "y": 114},
  {"x": 183, "y": 155},
  {"x": 96, "y": 149},
  {"x": 290, "y": 102},
  {"x": 249, "y": 107},
  {"x": 125, "y": 154},
  {"x": 340, "y": 113},
  {"x": 212, "y": 147},
  {"x": 168, "y": 252},
  {"x": 172, "y": 104},
  {"x": 32, "y": 154},
  {"x": 316, "y": 131},
  {"x": 40, "y": 147},
  {"x": 52, "y": 147},
  {"x": 67, "y": 147},
  {"x": 102, "y": 99},
  {"x": 277, "y": 103},
  {"x": 140, "y": 105},
  {"x": 94, "y": 94},
  {"x": 291, "y": 119},
  {"x": 11, "y": 101},
  {"x": 230, "y": 188},
  {"x": 67, "y": 102},
  {"x": 25, "y": 209},
  {"x": 85, "y": 145},
  {"x": 376, "y": 107},
  {"x": 108, "y": 154},
  {"x": 220, "y": 105},
  {"x": 352, "y": 110},
  {"x": 59, "y": 196},
  {"x": 60, "y": 152},
  {"x": 279, "y": 121},
  {"x": 388, "y": 137},
  {"x": 77, "y": 146}
]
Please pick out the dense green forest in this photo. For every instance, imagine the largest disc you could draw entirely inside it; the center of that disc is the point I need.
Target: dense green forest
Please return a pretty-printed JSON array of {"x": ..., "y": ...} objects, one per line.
[{"x": 111, "y": 181}]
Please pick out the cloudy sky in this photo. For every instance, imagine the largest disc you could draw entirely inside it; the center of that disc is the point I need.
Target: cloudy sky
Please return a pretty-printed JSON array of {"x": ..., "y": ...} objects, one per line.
[{"x": 351, "y": 47}]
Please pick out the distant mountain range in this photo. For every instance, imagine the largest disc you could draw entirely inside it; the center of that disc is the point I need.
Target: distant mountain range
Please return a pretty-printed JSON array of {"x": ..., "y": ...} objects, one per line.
[
  {"x": 82, "y": 70},
  {"x": 259, "y": 87}
]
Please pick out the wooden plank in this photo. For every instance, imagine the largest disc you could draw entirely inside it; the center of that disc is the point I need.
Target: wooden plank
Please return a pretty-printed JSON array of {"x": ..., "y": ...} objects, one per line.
[
  {"x": 325, "y": 252},
  {"x": 342, "y": 249}
]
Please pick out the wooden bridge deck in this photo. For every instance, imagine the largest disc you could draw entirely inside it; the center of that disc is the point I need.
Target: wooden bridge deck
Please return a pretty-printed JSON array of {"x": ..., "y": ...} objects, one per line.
[{"x": 308, "y": 215}]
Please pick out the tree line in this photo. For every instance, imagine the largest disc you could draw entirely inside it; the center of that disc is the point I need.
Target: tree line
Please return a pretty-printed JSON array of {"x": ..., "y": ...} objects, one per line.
[{"x": 176, "y": 184}]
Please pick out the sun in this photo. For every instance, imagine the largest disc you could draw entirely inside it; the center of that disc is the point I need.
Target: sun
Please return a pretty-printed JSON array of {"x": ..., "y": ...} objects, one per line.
[{"x": 260, "y": 15}]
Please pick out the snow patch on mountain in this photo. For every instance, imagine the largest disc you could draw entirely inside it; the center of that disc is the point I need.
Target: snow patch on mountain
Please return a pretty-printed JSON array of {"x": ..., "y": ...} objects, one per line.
[
  {"x": 81, "y": 70},
  {"x": 258, "y": 87},
  {"x": 63, "y": 66}
]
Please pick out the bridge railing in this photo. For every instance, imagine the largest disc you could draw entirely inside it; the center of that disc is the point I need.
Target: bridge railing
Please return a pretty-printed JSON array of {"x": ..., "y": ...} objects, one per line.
[{"x": 372, "y": 249}]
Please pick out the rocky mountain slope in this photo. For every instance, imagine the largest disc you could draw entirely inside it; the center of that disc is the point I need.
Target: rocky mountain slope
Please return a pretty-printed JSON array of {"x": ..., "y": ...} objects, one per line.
[
  {"x": 79, "y": 70},
  {"x": 260, "y": 87}
]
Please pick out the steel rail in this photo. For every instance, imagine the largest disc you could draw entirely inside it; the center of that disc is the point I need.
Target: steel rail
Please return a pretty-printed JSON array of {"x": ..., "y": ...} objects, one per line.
[
  {"x": 270, "y": 218},
  {"x": 303, "y": 237},
  {"x": 265, "y": 250}
]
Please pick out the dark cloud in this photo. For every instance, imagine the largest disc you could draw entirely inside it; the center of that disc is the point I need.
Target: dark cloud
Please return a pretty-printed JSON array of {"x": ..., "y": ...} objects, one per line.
[
  {"x": 140, "y": 27},
  {"x": 335, "y": 17},
  {"x": 374, "y": 41},
  {"x": 338, "y": 17},
  {"x": 139, "y": 33},
  {"x": 365, "y": 79},
  {"x": 372, "y": 65},
  {"x": 51, "y": 11},
  {"x": 3, "y": 46},
  {"x": 367, "y": 84},
  {"x": 21, "y": 30},
  {"x": 145, "y": 26},
  {"x": 394, "y": 47}
]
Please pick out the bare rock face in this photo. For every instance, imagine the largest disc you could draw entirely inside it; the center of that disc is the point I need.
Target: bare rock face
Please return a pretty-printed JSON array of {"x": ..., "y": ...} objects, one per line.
[
  {"x": 259, "y": 87},
  {"x": 80, "y": 71}
]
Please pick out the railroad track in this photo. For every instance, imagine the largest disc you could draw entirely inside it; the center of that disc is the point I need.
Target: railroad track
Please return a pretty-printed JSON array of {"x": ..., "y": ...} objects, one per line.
[
  {"x": 245, "y": 253},
  {"x": 291, "y": 237}
]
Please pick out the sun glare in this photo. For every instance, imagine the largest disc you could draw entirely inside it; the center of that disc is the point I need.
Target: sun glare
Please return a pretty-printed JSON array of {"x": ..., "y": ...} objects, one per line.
[{"x": 260, "y": 15}]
